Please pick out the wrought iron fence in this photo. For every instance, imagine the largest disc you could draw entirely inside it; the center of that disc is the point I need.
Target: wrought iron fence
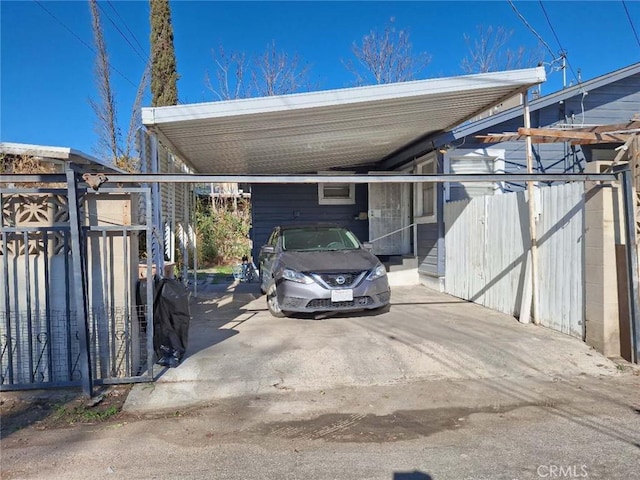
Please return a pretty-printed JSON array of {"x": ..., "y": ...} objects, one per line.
[{"x": 63, "y": 250}]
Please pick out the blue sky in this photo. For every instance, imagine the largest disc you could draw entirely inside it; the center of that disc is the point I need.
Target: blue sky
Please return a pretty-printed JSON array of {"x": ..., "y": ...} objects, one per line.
[{"x": 46, "y": 68}]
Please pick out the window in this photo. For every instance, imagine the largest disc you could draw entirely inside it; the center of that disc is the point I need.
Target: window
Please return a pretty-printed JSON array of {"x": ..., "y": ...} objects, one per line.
[
  {"x": 311, "y": 238},
  {"x": 481, "y": 160},
  {"x": 425, "y": 202},
  {"x": 336, "y": 193}
]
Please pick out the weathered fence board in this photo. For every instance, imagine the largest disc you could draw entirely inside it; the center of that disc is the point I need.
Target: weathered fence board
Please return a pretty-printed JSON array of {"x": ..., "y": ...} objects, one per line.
[{"x": 486, "y": 246}]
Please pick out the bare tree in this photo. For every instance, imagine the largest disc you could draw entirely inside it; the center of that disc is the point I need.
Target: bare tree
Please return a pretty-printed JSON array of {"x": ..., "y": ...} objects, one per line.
[
  {"x": 230, "y": 70},
  {"x": 272, "y": 72},
  {"x": 127, "y": 160},
  {"x": 105, "y": 107},
  {"x": 110, "y": 144},
  {"x": 386, "y": 57},
  {"x": 489, "y": 51},
  {"x": 277, "y": 73}
]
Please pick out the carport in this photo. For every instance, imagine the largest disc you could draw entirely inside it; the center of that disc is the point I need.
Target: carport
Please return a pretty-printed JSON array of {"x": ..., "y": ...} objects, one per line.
[
  {"x": 351, "y": 130},
  {"x": 319, "y": 131},
  {"x": 344, "y": 136}
]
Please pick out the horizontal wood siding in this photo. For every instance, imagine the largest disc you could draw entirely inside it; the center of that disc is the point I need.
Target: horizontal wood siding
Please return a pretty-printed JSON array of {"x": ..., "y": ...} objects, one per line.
[
  {"x": 610, "y": 104},
  {"x": 273, "y": 205},
  {"x": 614, "y": 103},
  {"x": 428, "y": 248}
]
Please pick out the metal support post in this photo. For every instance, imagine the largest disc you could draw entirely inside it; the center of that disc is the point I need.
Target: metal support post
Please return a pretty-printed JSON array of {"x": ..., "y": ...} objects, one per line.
[
  {"x": 532, "y": 215},
  {"x": 150, "y": 285},
  {"x": 157, "y": 210},
  {"x": 80, "y": 288},
  {"x": 632, "y": 261}
]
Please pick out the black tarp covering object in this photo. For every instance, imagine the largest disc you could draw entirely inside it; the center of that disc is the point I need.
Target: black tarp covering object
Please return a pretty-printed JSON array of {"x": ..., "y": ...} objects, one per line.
[{"x": 171, "y": 317}]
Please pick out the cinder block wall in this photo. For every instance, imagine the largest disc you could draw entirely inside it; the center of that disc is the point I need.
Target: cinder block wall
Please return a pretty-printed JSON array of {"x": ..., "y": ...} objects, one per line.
[{"x": 603, "y": 230}]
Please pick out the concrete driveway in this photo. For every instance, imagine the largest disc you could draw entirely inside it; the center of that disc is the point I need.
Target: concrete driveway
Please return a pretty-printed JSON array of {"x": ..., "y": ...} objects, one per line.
[
  {"x": 436, "y": 389},
  {"x": 236, "y": 348}
]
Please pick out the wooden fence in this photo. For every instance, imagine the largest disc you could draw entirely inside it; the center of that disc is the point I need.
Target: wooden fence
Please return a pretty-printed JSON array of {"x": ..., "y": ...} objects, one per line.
[{"x": 487, "y": 243}]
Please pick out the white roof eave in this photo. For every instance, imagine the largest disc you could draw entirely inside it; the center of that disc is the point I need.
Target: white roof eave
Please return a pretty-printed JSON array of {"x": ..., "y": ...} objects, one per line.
[
  {"x": 249, "y": 106},
  {"x": 539, "y": 103},
  {"x": 310, "y": 132}
]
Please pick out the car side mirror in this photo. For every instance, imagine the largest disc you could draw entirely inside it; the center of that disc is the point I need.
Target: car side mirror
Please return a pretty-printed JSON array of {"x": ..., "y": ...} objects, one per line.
[
  {"x": 268, "y": 249},
  {"x": 368, "y": 246}
]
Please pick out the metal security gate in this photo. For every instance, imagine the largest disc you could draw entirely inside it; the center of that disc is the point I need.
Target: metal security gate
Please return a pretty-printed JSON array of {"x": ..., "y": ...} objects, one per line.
[
  {"x": 120, "y": 325},
  {"x": 70, "y": 310},
  {"x": 389, "y": 211}
]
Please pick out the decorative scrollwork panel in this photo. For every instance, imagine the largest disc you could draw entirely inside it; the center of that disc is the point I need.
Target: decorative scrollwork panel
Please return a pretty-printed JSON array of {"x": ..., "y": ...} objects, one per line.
[{"x": 34, "y": 210}]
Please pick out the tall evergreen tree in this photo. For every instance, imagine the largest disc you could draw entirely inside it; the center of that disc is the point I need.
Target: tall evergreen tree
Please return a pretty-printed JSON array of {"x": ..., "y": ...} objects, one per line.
[{"x": 164, "y": 74}]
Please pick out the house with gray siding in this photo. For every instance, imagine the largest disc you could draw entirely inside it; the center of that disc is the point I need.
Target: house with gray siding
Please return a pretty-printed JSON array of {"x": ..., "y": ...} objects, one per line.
[
  {"x": 274, "y": 204},
  {"x": 609, "y": 99},
  {"x": 613, "y": 98}
]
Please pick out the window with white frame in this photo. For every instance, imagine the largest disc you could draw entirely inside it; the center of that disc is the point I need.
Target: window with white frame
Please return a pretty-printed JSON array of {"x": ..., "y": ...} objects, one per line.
[
  {"x": 425, "y": 200},
  {"x": 482, "y": 160},
  {"x": 336, "y": 193}
]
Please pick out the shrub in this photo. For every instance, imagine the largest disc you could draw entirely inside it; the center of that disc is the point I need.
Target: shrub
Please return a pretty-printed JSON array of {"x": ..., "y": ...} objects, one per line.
[{"x": 223, "y": 232}]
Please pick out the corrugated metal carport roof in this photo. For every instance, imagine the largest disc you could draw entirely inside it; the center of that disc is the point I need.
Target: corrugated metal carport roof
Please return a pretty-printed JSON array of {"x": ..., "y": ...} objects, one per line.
[{"x": 317, "y": 131}]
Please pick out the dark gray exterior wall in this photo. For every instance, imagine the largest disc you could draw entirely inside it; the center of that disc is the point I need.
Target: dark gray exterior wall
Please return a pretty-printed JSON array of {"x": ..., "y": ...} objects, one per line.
[
  {"x": 428, "y": 248},
  {"x": 273, "y": 205},
  {"x": 430, "y": 237}
]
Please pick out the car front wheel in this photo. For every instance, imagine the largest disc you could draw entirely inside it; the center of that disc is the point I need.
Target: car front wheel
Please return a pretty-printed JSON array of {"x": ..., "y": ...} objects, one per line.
[{"x": 272, "y": 301}]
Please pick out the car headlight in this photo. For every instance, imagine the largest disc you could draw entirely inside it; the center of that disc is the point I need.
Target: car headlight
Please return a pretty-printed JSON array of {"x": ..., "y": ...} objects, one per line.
[
  {"x": 294, "y": 276},
  {"x": 377, "y": 272}
]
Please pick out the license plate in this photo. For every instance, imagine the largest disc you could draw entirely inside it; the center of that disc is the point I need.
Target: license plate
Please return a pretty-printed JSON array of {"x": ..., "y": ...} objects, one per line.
[{"x": 343, "y": 295}]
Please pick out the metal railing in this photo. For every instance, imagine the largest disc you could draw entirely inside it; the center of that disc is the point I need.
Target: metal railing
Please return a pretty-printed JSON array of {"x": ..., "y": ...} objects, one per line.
[{"x": 67, "y": 318}]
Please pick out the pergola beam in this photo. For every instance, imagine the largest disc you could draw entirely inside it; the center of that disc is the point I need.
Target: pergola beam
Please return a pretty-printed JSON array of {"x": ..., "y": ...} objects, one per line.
[
  {"x": 589, "y": 135},
  {"x": 568, "y": 135}
]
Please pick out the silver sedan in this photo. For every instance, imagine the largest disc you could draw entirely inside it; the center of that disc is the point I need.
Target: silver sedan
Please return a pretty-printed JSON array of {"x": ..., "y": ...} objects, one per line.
[{"x": 314, "y": 268}]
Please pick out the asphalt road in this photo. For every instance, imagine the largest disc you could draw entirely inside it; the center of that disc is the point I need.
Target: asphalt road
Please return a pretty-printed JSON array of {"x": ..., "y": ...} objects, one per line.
[{"x": 435, "y": 389}]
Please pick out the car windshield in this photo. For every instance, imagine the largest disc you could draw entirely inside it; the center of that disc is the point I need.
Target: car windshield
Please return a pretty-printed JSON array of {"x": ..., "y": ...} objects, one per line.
[{"x": 307, "y": 239}]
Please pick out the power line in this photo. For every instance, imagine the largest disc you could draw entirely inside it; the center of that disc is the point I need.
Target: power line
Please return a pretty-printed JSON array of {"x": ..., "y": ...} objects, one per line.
[
  {"x": 524, "y": 20},
  {"x": 67, "y": 28},
  {"x": 142, "y": 49},
  {"x": 544, "y": 10},
  {"x": 82, "y": 41},
  {"x": 148, "y": 60},
  {"x": 624, "y": 4},
  {"x": 120, "y": 32}
]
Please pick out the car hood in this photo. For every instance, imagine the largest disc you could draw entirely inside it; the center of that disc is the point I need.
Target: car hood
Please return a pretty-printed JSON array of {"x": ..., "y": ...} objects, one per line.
[{"x": 329, "y": 261}]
